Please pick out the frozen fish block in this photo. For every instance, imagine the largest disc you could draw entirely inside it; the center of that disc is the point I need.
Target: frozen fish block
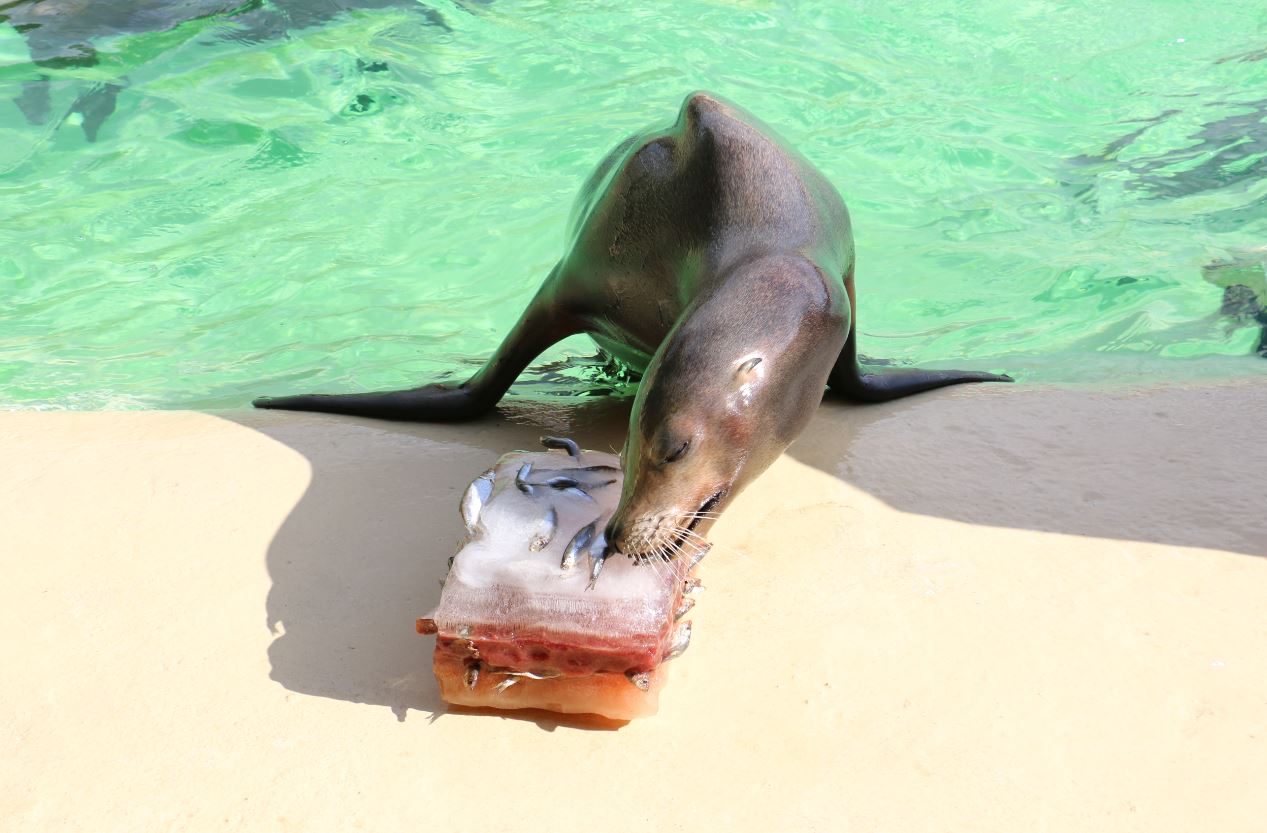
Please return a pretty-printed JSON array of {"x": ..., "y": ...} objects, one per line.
[{"x": 521, "y": 623}]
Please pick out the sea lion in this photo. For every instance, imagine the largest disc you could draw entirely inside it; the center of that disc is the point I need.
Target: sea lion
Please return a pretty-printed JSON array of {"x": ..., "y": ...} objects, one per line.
[{"x": 719, "y": 262}]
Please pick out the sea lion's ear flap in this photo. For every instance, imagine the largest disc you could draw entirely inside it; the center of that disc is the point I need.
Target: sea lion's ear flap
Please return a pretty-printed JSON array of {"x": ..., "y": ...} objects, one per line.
[{"x": 748, "y": 366}]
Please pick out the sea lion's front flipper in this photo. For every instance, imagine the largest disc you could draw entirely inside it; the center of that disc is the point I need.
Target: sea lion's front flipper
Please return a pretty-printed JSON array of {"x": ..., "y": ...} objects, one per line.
[
  {"x": 430, "y": 403},
  {"x": 542, "y": 324}
]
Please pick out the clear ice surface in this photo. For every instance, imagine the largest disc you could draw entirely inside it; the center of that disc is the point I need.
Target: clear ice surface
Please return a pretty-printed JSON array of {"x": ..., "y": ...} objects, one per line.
[{"x": 499, "y": 581}]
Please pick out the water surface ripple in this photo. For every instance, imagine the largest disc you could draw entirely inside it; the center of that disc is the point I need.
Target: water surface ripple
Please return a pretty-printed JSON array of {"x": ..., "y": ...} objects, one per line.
[{"x": 285, "y": 198}]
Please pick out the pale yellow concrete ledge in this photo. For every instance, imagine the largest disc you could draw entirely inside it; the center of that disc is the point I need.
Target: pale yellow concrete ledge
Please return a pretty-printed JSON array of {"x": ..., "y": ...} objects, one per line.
[{"x": 988, "y": 609}]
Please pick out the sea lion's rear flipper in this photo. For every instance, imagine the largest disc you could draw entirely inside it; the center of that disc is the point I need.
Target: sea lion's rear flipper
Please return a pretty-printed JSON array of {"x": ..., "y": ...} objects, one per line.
[
  {"x": 894, "y": 383},
  {"x": 868, "y": 383},
  {"x": 542, "y": 324}
]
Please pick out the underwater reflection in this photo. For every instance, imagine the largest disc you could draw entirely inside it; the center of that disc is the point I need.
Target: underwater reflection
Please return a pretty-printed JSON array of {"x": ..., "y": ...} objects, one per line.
[
  {"x": 1226, "y": 152},
  {"x": 61, "y": 33}
]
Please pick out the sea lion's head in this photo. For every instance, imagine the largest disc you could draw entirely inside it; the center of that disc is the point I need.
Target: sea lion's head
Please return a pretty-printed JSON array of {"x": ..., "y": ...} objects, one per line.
[{"x": 729, "y": 389}]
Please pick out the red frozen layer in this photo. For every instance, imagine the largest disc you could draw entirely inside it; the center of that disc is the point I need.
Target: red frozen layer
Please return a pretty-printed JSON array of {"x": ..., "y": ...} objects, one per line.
[{"x": 555, "y": 654}]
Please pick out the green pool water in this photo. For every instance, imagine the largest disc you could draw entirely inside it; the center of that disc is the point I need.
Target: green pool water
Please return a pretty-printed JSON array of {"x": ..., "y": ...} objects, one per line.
[{"x": 368, "y": 201}]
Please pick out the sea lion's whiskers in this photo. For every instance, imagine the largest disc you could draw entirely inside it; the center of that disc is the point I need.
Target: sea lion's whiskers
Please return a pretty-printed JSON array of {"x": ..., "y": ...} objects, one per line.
[
  {"x": 687, "y": 530},
  {"x": 643, "y": 560},
  {"x": 738, "y": 554},
  {"x": 661, "y": 559},
  {"x": 690, "y": 541},
  {"x": 667, "y": 568},
  {"x": 701, "y": 546}
]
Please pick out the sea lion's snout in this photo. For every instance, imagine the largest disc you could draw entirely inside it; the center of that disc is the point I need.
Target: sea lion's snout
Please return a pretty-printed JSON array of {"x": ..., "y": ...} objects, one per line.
[
  {"x": 665, "y": 534},
  {"x": 670, "y": 481}
]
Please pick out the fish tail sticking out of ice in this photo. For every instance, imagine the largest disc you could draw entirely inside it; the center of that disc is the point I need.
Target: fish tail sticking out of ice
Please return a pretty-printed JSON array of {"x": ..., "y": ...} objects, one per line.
[
  {"x": 598, "y": 557},
  {"x": 473, "y": 500},
  {"x": 580, "y": 541},
  {"x": 545, "y": 531},
  {"x": 521, "y": 479},
  {"x": 681, "y": 641},
  {"x": 683, "y": 608}
]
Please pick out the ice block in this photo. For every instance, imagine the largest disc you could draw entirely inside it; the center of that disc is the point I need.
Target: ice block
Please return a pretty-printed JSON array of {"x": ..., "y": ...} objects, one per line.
[{"x": 522, "y": 620}]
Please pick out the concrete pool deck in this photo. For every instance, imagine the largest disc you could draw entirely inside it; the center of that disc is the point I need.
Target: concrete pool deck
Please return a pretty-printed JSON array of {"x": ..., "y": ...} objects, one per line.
[{"x": 988, "y": 608}]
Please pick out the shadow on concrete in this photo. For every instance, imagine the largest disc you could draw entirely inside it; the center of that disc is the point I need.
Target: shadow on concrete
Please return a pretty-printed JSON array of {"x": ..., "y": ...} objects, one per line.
[
  {"x": 362, "y": 553},
  {"x": 1166, "y": 465}
]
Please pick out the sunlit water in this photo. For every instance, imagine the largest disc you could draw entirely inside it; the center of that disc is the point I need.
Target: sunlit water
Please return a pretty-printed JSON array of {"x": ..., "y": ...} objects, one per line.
[{"x": 368, "y": 199}]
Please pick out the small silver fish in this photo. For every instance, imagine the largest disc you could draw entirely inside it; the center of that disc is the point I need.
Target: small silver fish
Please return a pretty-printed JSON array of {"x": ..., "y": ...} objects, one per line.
[
  {"x": 681, "y": 641},
  {"x": 563, "y": 444},
  {"x": 598, "y": 557},
  {"x": 545, "y": 531},
  {"x": 591, "y": 477},
  {"x": 472, "y": 675},
  {"x": 578, "y": 543},
  {"x": 521, "y": 478},
  {"x": 578, "y": 492},
  {"x": 641, "y": 681},
  {"x": 588, "y": 471},
  {"x": 684, "y": 608},
  {"x": 473, "y": 500},
  {"x": 697, "y": 556},
  {"x": 505, "y": 684},
  {"x": 531, "y": 675}
]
